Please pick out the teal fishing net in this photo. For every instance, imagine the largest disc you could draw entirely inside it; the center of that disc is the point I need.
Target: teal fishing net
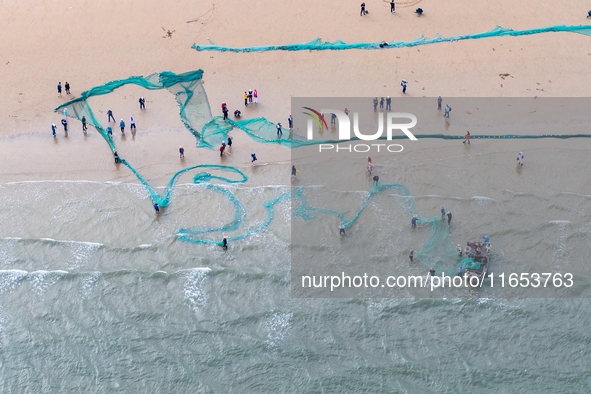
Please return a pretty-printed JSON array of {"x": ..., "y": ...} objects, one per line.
[
  {"x": 319, "y": 45},
  {"x": 438, "y": 250}
]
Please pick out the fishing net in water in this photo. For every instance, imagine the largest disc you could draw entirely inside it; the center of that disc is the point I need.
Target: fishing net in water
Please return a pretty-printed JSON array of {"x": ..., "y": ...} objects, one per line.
[{"x": 193, "y": 110}]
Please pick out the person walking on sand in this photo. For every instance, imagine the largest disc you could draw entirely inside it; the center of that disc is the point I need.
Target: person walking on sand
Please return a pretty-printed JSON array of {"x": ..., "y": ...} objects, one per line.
[
  {"x": 362, "y": 9},
  {"x": 181, "y": 152},
  {"x": 403, "y": 84},
  {"x": 375, "y": 104},
  {"x": 132, "y": 124},
  {"x": 245, "y": 99},
  {"x": 142, "y": 102},
  {"x": 116, "y": 157},
  {"x": 229, "y": 142},
  {"x": 59, "y": 89},
  {"x": 109, "y": 131},
  {"x": 65, "y": 124},
  {"x": 279, "y": 131},
  {"x": 83, "y": 120},
  {"x": 53, "y": 127},
  {"x": 439, "y": 100},
  {"x": 225, "y": 111},
  {"x": 392, "y": 7},
  {"x": 447, "y": 109},
  {"x": 520, "y": 158},
  {"x": 110, "y": 115},
  {"x": 66, "y": 112},
  {"x": 255, "y": 95},
  {"x": 67, "y": 86},
  {"x": 253, "y": 158},
  {"x": 122, "y": 126},
  {"x": 388, "y": 103},
  {"x": 250, "y": 96},
  {"x": 467, "y": 138},
  {"x": 222, "y": 148}
]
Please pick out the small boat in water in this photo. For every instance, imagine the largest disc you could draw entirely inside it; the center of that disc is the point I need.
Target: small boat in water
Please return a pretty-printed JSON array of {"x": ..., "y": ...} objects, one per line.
[{"x": 475, "y": 258}]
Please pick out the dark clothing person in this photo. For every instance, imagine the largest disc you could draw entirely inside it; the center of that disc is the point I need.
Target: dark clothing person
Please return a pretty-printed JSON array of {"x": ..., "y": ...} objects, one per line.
[
  {"x": 589, "y": 14},
  {"x": 413, "y": 222},
  {"x": 67, "y": 86},
  {"x": 392, "y": 6},
  {"x": 290, "y": 122},
  {"x": 237, "y": 114},
  {"x": 279, "y": 131},
  {"x": 59, "y": 88},
  {"x": 229, "y": 142},
  {"x": 225, "y": 113},
  {"x": 363, "y": 9},
  {"x": 342, "y": 229},
  {"x": 293, "y": 171},
  {"x": 439, "y": 100},
  {"x": 65, "y": 124},
  {"x": 419, "y": 11},
  {"x": 388, "y": 103},
  {"x": 225, "y": 243},
  {"x": 333, "y": 119},
  {"x": 376, "y": 179},
  {"x": 222, "y": 148},
  {"x": 83, "y": 123},
  {"x": 53, "y": 127},
  {"x": 116, "y": 157},
  {"x": 411, "y": 255},
  {"x": 142, "y": 103},
  {"x": 253, "y": 157},
  {"x": 447, "y": 109},
  {"x": 375, "y": 104},
  {"x": 381, "y": 103},
  {"x": 442, "y": 212},
  {"x": 432, "y": 272},
  {"x": 449, "y": 217},
  {"x": 156, "y": 208},
  {"x": 110, "y": 115},
  {"x": 182, "y": 152}
]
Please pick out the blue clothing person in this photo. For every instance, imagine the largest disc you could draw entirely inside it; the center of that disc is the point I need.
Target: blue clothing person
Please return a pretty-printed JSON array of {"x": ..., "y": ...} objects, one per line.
[{"x": 122, "y": 126}]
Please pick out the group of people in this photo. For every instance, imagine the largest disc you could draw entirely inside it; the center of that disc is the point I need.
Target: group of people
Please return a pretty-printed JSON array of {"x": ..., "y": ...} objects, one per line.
[
  {"x": 418, "y": 11},
  {"x": 251, "y": 97},
  {"x": 388, "y": 102},
  {"x": 59, "y": 88}
]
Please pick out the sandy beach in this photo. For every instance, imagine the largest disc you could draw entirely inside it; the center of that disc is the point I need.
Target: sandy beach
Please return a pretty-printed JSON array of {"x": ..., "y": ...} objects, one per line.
[{"x": 87, "y": 44}]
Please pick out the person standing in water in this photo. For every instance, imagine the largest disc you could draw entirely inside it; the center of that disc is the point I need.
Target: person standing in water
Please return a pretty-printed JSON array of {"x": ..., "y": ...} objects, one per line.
[
  {"x": 520, "y": 158},
  {"x": 447, "y": 109},
  {"x": 293, "y": 171},
  {"x": 448, "y": 217},
  {"x": 467, "y": 138}
]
